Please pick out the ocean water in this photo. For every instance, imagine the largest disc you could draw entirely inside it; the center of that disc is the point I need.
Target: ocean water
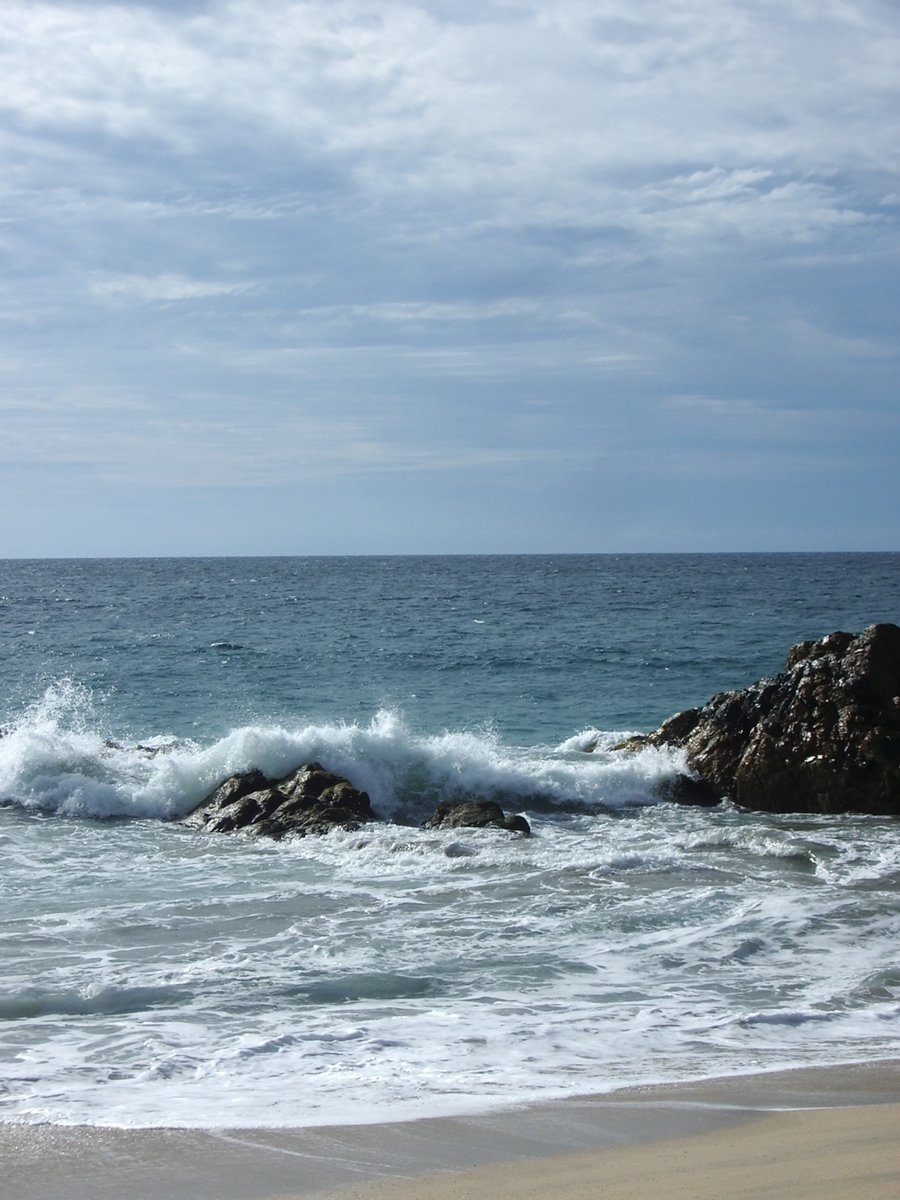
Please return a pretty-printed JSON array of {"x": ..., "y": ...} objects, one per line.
[{"x": 152, "y": 975}]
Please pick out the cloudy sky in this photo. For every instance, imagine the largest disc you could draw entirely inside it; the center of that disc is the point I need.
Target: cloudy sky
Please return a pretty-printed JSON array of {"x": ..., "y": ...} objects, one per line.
[{"x": 338, "y": 276}]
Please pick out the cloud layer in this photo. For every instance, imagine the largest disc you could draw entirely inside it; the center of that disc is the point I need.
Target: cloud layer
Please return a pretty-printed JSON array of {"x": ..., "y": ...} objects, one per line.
[{"x": 407, "y": 276}]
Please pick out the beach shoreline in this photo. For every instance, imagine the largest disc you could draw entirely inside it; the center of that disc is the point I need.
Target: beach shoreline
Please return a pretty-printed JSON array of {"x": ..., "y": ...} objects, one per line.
[
  {"x": 803, "y": 1154},
  {"x": 636, "y": 1137}
]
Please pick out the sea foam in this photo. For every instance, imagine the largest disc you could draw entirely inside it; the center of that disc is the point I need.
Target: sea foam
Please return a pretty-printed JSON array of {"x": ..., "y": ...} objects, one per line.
[{"x": 57, "y": 757}]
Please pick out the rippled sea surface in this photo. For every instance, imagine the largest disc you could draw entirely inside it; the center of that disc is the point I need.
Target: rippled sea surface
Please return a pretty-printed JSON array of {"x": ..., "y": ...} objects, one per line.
[{"x": 152, "y": 975}]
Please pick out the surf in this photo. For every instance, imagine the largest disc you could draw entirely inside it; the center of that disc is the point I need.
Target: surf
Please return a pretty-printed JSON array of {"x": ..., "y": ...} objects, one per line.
[{"x": 56, "y": 757}]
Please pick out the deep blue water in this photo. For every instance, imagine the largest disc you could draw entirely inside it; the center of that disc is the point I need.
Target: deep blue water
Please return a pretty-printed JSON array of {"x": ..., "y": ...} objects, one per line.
[{"x": 536, "y": 647}]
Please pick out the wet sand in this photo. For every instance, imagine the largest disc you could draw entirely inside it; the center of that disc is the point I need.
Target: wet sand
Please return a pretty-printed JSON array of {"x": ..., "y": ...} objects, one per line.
[
  {"x": 816, "y": 1154},
  {"x": 829, "y": 1134}
]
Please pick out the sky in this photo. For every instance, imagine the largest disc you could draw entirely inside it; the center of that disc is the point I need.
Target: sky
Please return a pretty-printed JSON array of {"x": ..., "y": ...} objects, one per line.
[{"x": 344, "y": 277}]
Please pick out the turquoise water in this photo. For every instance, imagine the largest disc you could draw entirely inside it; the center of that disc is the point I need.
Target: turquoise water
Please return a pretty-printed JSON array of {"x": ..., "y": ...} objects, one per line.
[{"x": 154, "y": 975}]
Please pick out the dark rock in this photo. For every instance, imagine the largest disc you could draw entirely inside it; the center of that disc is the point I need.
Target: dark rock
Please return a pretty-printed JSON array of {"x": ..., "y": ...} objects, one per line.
[
  {"x": 310, "y": 800},
  {"x": 137, "y": 748},
  {"x": 476, "y": 814},
  {"x": 823, "y": 736},
  {"x": 634, "y": 741},
  {"x": 688, "y": 789}
]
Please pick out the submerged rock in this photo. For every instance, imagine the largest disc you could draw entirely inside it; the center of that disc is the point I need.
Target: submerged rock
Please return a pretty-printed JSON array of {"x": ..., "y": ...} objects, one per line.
[
  {"x": 310, "y": 800},
  {"x": 476, "y": 814},
  {"x": 823, "y": 736}
]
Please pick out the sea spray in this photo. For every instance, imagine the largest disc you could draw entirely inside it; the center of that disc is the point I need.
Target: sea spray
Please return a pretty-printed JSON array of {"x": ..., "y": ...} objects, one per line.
[{"x": 53, "y": 759}]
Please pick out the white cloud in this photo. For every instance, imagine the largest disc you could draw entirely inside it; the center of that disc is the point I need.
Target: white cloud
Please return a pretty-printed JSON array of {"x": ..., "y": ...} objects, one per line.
[
  {"x": 161, "y": 287},
  {"x": 250, "y": 240},
  {"x": 526, "y": 107},
  {"x": 402, "y": 312},
  {"x": 237, "y": 449},
  {"x": 781, "y": 427},
  {"x": 737, "y": 412},
  {"x": 752, "y": 203}
]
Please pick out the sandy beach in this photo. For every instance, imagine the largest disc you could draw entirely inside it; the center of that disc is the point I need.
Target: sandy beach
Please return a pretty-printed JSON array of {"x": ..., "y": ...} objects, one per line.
[
  {"x": 819, "y": 1154},
  {"x": 824, "y": 1134}
]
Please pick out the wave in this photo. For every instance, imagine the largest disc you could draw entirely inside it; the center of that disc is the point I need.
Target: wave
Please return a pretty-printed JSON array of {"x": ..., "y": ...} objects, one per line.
[
  {"x": 56, "y": 757},
  {"x": 91, "y": 1000}
]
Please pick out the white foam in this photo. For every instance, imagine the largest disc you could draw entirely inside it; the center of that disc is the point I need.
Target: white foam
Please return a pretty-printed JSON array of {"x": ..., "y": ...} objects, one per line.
[
  {"x": 157, "y": 977},
  {"x": 55, "y": 757},
  {"x": 367, "y": 976}
]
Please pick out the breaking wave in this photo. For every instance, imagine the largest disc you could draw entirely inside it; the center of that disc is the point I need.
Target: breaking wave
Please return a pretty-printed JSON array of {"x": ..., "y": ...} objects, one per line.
[{"x": 57, "y": 757}]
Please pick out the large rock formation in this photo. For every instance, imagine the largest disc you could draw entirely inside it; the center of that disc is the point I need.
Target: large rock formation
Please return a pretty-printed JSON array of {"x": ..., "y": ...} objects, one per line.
[
  {"x": 309, "y": 800},
  {"x": 823, "y": 736}
]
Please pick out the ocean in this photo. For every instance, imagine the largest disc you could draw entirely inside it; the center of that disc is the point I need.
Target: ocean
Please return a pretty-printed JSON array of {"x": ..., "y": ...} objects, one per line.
[{"x": 151, "y": 975}]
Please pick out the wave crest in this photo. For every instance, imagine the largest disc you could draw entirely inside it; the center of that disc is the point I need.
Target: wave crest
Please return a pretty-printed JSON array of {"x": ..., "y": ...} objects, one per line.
[{"x": 55, "y": 757}]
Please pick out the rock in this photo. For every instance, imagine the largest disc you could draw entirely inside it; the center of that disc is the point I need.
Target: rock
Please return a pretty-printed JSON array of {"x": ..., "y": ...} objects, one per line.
[
  {"x": 476, "y": 814},
  {"x": 310, "y": 800},
  {"x": 137, "y": 748},
  {"x": 823, "y": 736}
]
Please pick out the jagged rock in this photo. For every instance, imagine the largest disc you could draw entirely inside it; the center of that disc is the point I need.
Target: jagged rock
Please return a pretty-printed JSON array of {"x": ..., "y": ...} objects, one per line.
[
  {"x": 823, "y": 736},
  {"x": 309, "y": 800},
  {"x": 475, "y": 814}
]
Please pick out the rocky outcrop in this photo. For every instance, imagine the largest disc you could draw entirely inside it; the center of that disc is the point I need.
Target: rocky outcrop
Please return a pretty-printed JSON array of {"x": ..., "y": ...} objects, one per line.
[
  {"x": 312, "y": 800},
  {"x": 476, "y": 814},
  {"x": 823, "y": 736},
  {"x": 309, "y": 800}
]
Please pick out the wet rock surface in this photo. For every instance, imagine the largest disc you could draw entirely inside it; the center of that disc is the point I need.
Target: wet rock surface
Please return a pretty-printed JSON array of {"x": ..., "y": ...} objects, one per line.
[
  {"x": 476, "y": 814},
  {"x": 822, "y": 736},
  {"x": 309, "y": 800}
]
